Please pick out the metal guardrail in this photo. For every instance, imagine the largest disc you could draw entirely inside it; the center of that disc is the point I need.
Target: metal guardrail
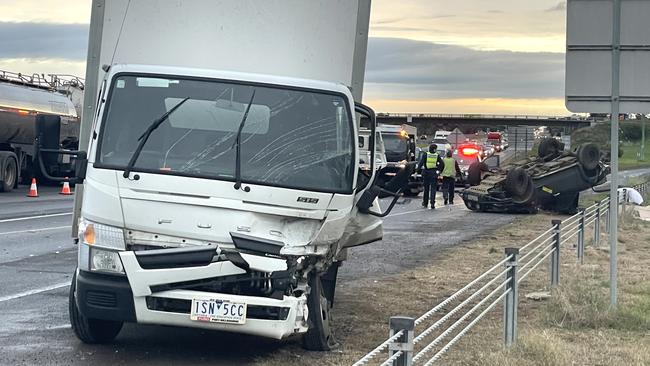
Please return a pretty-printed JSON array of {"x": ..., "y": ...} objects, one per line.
[{"x": 500, "y": 283}]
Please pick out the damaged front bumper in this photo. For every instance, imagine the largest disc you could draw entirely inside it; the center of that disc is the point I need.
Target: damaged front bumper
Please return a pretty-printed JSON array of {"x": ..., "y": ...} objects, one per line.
[{"x": 159, "y": 289}]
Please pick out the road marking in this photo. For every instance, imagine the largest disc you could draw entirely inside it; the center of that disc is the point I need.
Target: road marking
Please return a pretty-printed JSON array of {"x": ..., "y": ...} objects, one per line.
[
  {"x": 35, "y": 217},
  {"x": 35, "y": 230},
  {"x": 34, "y": 292},
  {"x": 407, "y": 212}
]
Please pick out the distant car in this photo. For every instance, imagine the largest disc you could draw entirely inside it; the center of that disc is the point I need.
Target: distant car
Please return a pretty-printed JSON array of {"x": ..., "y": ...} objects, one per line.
[
  {"x": 443, "y": 145},
  {"x": 488, "y": 149},
  {"x": 466, "y": 155}
]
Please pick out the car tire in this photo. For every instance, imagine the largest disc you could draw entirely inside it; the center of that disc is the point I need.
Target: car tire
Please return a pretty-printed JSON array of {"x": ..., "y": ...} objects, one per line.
[
  {"x": 517, "y": 182},
  {"x": 10, "y": 174},
  {"x": 527, "y": 196},
  {"x": 91, "y": 331},
  {"x": 588, "y": 156},
  {"x": 319, "y": 336},
  {"x": 549, "y": 148}
]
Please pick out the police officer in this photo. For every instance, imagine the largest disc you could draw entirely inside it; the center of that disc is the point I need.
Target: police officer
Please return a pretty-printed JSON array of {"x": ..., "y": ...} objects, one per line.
[
  {"x": 449, "y": 174},
  {"x": 430, "y": 165}
]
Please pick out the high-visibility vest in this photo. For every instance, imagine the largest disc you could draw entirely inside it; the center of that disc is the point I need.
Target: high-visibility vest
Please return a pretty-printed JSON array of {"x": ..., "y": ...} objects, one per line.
[
  {"x": 450, "y": 167},
  {"x": 432, "y": 160}
]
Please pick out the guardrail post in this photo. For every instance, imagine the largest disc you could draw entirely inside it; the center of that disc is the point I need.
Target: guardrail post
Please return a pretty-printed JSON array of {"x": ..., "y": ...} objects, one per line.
[
  {"x": 597, "y": 225},
  {"x": 510, "y": 300},
  {"x": 555, "y": 257},
  {"x": 623, "y": 201},
  {"x": 403, "y": 343},
  {"x": 607, "y": 213},
  {"x": 581, "y": 237}
]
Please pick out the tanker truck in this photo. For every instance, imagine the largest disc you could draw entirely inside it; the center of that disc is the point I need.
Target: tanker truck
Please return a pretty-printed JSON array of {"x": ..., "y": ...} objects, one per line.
[
  {"x": 37, "y": 114},
  {"x": 222, "y": 186}
]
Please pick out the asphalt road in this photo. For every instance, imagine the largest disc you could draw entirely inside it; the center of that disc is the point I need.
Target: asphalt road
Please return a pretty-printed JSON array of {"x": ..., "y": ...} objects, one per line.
[{"x": 38, "y": 258}]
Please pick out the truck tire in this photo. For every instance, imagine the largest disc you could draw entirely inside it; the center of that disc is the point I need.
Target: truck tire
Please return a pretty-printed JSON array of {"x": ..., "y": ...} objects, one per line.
[
  {"x": 588, "y": 156},
  {"x": 518, "y": 182},
  {"x": 9, "y": 174},
  {"x": 92, "y": 331},
  {"x": 549, "y": 147},
  {"x": 319, "y": 336}
]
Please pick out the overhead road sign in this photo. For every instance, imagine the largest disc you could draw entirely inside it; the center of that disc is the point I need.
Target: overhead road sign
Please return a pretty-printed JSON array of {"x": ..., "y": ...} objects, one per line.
[{"x": 589, "y": 62}]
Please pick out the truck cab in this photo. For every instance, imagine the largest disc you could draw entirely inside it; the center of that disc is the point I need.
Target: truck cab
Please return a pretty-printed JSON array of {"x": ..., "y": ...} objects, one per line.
[
  {"x": 211, "y": 203},
  {"x": 399, "y": 144},
  {"x": 222, "y": 192}
]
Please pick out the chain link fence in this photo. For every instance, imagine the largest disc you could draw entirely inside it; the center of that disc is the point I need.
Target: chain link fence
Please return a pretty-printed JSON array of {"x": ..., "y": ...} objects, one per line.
[{"x": 425, "y": 340}]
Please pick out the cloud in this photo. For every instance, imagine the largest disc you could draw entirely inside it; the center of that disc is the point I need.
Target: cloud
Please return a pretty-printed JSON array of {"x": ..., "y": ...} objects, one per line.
[
  {"x": 43, "y": 40},
  {"x": 405, "y": 69},
  {"x": 561, "y": 6}
]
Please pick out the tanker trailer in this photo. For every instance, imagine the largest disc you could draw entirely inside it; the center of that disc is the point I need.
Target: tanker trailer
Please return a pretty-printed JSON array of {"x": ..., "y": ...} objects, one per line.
[{"x": 36, "y": 114}]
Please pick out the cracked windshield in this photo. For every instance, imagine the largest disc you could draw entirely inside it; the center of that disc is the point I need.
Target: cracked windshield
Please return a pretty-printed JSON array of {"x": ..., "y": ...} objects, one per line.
[{"x": 289, "y": 138}]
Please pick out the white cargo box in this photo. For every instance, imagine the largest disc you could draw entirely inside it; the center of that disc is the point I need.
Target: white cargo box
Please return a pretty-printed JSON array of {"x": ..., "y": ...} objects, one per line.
[{"x": 322, "y": 40}]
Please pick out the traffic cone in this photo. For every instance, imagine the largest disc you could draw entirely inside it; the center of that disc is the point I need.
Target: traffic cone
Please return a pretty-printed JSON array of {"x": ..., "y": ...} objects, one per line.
[
  {"x": 33, "y": 191},
  {"x": 66, "y": 188}
]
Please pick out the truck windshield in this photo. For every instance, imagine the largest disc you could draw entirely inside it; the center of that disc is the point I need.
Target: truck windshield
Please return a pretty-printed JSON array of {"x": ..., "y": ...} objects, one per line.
[
  {"x": 394, "y": 143},
  {"x": 292, "y": 138}
]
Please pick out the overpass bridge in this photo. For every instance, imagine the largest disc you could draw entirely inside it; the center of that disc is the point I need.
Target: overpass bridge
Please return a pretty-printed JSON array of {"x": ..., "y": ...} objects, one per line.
[{"x": 427, "y": 124}]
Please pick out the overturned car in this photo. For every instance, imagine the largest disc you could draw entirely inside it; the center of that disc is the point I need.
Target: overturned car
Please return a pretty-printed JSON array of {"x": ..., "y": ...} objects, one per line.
[{"x": 551, "y": 181}]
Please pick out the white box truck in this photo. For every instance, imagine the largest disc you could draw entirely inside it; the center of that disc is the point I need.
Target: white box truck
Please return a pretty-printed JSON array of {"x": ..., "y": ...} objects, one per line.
[{"x": 223, "y": 183}]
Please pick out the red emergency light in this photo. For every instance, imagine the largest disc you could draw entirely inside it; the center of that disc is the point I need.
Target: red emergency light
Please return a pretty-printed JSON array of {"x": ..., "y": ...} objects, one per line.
[{"x": 469, "y": 150}]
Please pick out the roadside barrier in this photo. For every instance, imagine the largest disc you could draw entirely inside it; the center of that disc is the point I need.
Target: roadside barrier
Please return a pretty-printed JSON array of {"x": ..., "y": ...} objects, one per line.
[{"x": 407, "y": 343}]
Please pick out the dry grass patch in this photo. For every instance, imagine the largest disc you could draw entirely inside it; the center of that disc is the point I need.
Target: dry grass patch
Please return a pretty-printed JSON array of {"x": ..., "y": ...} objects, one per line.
[{"x": 575, "y": 327}]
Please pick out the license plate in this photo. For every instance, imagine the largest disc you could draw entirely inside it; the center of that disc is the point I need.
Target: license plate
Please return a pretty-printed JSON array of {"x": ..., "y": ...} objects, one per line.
[
  {"x": 218, "y": 311},
  {"x": 472, "y": 197}
]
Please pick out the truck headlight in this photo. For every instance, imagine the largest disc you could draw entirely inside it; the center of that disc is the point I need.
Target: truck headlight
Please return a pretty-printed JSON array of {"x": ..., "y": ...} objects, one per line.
[
  {"x": 98, "y": 247},
  {"x": 105, "y": 260}
]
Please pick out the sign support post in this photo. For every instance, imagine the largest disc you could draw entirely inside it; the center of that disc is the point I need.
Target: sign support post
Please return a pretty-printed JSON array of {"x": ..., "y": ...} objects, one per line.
[{"x": 613, "y": 191}]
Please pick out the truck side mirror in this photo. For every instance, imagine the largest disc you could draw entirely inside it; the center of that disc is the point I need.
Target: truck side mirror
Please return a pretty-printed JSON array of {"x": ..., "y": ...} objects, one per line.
[{"x": 394, "y": 188}]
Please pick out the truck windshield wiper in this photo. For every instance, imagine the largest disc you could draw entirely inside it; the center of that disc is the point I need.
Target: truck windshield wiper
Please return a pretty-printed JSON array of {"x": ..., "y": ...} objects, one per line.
[
  {"x": 238, "y": 144},
  {"x": 145, "y": 136}
]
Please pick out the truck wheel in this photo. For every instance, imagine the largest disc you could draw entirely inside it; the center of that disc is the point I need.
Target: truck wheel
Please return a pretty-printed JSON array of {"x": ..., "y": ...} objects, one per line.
[
  {"x": 549, "y": 147},
  {"x": 588, "y": 156},
  {"x": 319, "y": 337},
  {"x": 10, "y": 174},
  {"x": 517, "y": 182},
  {"x": 90, "y": 331}
]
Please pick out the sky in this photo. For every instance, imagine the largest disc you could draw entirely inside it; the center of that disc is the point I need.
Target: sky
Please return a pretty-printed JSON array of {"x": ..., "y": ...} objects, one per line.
[{"x": 424, "y": 56}]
